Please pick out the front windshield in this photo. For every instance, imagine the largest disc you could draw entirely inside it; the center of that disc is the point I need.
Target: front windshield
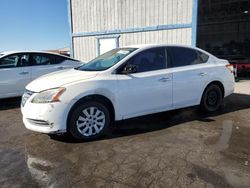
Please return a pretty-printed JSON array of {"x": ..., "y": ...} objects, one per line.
[{"x": 106, "y": 60}]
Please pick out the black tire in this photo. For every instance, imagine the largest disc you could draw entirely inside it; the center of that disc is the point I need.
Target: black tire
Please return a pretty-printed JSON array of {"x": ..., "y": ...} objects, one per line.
[
  {"x": 77, "y": 115},
  {"x": 212, "y": 99}
]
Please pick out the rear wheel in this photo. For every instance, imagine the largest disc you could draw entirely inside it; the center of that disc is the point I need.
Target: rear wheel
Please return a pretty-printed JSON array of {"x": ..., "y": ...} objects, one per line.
[
  {"x": 212, "y": 99},
  {"x": 89, "y": 120}
]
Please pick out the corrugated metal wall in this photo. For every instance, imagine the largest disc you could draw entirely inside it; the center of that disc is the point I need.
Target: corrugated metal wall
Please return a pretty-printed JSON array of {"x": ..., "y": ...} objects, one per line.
[
  {"x": 85, "y": 47},
  {"x": 107, "y": 15},
  {"x": 179, "y": 36}
]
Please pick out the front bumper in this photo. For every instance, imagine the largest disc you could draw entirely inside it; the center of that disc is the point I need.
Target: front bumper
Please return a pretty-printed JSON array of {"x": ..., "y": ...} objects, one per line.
[{"x": 47, "y": 118}]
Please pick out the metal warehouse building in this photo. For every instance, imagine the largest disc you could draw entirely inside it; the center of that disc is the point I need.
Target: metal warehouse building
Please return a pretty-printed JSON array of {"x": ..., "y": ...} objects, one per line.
[
  {"x": 221, "y": 27},
  {"x": 100, "y": 25}
]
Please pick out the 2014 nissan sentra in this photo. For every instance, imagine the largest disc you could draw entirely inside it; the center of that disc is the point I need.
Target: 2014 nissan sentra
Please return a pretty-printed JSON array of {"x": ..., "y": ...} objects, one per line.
[{"x": 124, "y": 83}]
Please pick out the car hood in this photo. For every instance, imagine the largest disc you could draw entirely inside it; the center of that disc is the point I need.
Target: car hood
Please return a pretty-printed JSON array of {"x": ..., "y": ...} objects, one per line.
[{"x": 58, "y": 79}]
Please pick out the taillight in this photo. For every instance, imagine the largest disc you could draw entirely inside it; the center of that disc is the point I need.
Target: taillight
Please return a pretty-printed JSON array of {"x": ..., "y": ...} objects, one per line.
[{"x": 230, "y": 68}]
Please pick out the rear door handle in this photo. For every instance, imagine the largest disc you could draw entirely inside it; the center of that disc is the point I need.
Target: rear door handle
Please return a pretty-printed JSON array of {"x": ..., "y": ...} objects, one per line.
[
  {"x": 164, "y": 79},
  {"x": 202, "y": 74},
  {"x": 24, "y": 73},
  {"x": 60, "y": 68}
]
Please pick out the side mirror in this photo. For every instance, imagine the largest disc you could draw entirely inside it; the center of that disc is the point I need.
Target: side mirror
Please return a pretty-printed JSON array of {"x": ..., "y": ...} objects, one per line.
[{"x": 128, "y": 69}]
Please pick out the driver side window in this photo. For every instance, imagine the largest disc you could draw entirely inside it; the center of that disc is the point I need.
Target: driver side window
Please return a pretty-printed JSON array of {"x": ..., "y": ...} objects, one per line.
[
  {"x": 9, "y": 61},
  {"x": 149, "y": 60},
  {"x": 15, "y": 60}
]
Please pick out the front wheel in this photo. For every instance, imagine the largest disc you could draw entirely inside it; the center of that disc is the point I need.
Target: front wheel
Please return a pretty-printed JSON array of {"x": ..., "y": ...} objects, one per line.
[
  {"x": 212, "y": 99},
  {"x": 89, "y": 120}
]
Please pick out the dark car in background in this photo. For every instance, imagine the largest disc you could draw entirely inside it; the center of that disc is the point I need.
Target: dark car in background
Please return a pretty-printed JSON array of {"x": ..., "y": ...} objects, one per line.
[{"x": 241, "y": 65}]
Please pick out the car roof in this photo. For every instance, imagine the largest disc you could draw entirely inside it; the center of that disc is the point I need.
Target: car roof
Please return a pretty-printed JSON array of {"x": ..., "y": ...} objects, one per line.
[
  {"x": 29, "y": 51},
  {"x": 145, "y": 46}
]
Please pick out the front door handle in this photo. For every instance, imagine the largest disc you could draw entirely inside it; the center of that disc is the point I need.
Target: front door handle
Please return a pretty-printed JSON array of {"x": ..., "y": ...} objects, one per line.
[
  {"x": 164, "y": 79},
  {"x": 202, "y": 74},
  {"x": 60, "y": 68},
  {"x": 24, "y": 73}
]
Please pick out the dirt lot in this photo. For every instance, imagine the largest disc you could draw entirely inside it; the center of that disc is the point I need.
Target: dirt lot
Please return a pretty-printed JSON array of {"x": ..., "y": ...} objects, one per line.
[{"x": 181, "y": 148}]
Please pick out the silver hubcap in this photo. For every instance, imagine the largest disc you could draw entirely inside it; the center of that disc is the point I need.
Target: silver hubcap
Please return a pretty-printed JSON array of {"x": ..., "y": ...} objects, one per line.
[{"x": 91, "y": 121}]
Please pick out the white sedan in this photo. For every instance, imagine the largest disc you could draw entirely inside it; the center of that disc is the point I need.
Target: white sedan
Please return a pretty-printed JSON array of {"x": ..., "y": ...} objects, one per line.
[
  {"x": 125, "y": 83},
  {"x": 17, "y": 69}
]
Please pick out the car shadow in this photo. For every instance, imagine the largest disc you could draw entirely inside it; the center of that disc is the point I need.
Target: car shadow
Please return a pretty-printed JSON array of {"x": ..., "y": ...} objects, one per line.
[
  {"x": 10, "y": 103},
  {"x": 242, "y": 78},
  {"x": 165, "y": 120}
]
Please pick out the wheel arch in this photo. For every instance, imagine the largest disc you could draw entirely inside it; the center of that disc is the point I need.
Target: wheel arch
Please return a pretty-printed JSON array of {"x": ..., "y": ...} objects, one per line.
[
  {"x": 215, "y": 82},
  {"x": 98, "y": 98}
]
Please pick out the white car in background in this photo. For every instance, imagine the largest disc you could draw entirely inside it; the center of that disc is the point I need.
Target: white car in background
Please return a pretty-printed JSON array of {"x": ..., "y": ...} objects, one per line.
[
  {"x": 124, "y": 83},
  {"x": 17, "y": 69}
]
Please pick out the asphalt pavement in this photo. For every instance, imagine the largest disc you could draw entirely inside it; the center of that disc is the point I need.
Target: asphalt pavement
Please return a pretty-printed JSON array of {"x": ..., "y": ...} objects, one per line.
[{"x": 180, "y": 148}]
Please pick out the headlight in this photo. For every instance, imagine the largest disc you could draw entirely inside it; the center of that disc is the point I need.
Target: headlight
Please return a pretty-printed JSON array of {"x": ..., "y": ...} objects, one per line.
[{"x": 48, "y": 96}]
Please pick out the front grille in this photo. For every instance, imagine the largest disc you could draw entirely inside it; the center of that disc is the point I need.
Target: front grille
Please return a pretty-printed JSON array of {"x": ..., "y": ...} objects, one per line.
[
  {"x": 38, "y": 122},
  {"x": 27, "y": 94}
]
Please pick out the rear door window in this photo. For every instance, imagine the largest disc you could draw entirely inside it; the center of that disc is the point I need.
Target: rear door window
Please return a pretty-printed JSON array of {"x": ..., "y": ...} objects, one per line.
[
  {"x": 203, "y": 57},
  {"x": 41, "y": 59},
  {"x": 58, "y": 59},
  {"x": 181, "y": 56}
]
